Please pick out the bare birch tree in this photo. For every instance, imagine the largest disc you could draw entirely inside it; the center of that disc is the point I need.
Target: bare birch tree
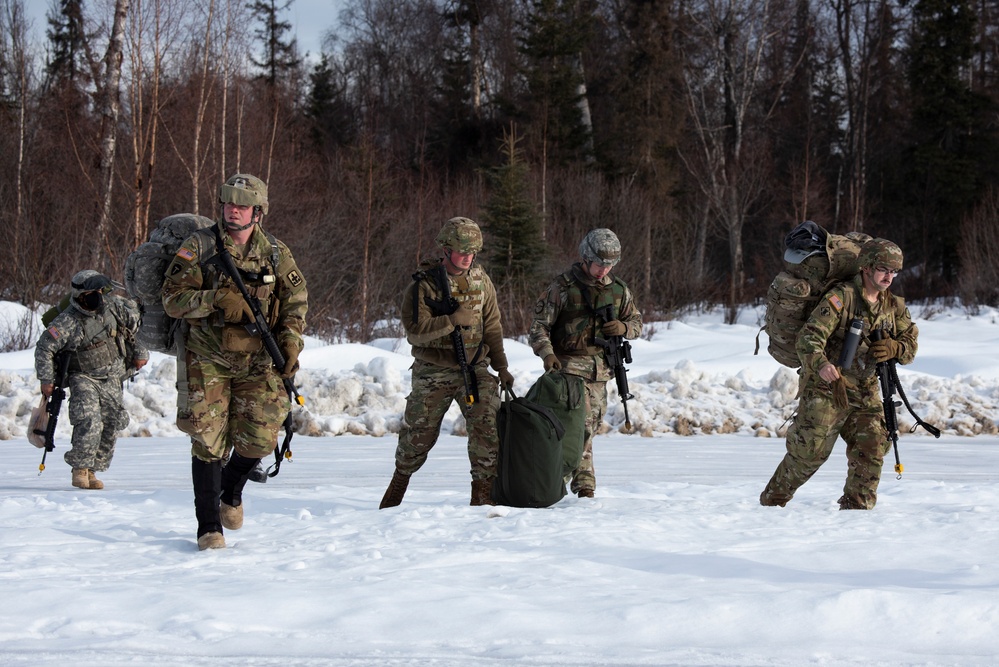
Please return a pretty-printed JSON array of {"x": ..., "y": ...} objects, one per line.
[{"x": 723, "y": 70}]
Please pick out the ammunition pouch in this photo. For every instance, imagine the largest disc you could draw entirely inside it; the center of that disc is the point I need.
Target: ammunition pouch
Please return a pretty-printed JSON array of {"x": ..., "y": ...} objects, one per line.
[
  {"x": 99, "y": 355},
  {"x": 236, "y": 338}
]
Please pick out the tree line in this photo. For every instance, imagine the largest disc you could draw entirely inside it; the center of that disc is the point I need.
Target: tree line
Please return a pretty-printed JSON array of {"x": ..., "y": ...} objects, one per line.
[{"x": 701, "y": 131}]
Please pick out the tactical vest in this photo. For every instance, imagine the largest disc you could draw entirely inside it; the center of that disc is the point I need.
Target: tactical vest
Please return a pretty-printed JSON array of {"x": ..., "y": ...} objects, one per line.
[
  {"x": 853, "y": 306},
  {"x": 469, "y": 290},
  {"x": 259, "y": 275},
  {"x": 576, "y": 326},
  {"x": 105, "y": 346}
]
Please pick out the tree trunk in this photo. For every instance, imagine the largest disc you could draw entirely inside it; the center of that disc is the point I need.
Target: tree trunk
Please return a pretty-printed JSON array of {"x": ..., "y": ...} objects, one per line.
[{"x": 110, "y": 94}]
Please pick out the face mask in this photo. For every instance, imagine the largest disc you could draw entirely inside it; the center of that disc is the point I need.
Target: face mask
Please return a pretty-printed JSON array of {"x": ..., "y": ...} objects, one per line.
[{"x": 91, "y": 300}]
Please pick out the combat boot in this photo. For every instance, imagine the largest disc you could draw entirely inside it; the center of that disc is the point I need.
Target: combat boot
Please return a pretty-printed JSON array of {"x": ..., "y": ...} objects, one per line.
[
  {"x": 81, "y": 479},
  {"x": 234, "y": 476},
  {"x": 482, "y": 490},
  {"x": 93, "y": 481},
  {"x": 207, "y": 478},
  {"x": 395, "y": 491},
  {"x": 584, "y": 493}
]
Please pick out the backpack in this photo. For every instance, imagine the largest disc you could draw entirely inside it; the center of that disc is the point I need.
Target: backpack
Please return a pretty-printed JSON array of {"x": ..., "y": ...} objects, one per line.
[
  {"x": 565, "y": 396},
  {"x": 814, "y": 261},
  {"x": 145, "y": 268},
  {"x": 529, "y": 469},
  {"x": 54, "y": 311}
]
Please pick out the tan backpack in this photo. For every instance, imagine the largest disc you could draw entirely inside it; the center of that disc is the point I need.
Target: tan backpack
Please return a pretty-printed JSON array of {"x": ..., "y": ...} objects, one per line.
[{"x": 814, "y": 261}]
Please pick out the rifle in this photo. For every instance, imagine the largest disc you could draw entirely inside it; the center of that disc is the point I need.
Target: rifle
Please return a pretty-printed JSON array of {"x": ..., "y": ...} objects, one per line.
[
  {"x": 888, "y": 379},
  {"x": 617, "y": 352},
  {"x": 447, "y": 305},
  {"x": 259, "y": 327},
  {"x": 54, "y": 404}
]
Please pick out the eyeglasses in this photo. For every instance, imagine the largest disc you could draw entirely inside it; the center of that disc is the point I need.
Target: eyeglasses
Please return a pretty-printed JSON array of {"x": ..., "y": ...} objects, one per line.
[{"x": 886, "y": 270}]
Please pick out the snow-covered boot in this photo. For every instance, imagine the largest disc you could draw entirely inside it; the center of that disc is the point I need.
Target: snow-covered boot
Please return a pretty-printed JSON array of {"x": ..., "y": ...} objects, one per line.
[
  {"x": 395, "y": 491},
  {"x": 234, "y": 476},
  {"x": 207, "y": 478},
  {"x": 93, "y": 481},
  {"x": 80, "y": 478}
]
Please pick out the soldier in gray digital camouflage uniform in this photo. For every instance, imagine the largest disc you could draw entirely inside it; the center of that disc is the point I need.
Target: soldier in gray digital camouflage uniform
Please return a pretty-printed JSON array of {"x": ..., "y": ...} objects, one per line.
[
  {"x": 566, "y": 323},
  {"x": 437, "y": 380},
  {"x": 236, "y": 398},
  {"x": 846, "y": 402},
  {"x": 97, "y": 330}
]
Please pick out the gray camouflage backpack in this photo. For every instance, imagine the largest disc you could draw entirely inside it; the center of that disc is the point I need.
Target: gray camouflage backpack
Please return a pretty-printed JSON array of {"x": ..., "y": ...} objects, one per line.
[{"x": 144, "y": 272}]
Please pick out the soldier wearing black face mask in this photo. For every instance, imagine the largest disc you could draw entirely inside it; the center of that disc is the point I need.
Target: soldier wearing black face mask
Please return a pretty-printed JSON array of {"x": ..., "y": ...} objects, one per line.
[{"x": 98, "y": 330}]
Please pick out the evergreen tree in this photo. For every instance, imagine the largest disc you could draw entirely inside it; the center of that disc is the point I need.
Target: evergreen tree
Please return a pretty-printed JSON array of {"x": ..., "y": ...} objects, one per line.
[
  {"x": 67, "y": 64},
  {"x": 555, "y": 36},
  {"x": 326, "y": 107},
  {"x": 515, "y": 249},
  {"x": 280, "y": 54},
  {"x": 954, "y": 152}
]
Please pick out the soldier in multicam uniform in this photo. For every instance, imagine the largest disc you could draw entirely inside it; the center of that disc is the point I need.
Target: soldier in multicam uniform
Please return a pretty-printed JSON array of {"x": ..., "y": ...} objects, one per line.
[
  {"x": 236, "y": 399},
  {"x": 566, "y": 324},
  {"x": 858, "y": 418},
  {"x": 98, "y": 331},
  {"x": 436, "y": 377}
]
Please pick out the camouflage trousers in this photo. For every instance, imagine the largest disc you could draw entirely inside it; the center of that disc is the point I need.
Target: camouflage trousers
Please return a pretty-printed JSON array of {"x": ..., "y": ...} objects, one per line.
[
  {"x": 595, "y": 404},
  {"x": 812, "y": 435},
  {"x": 97, "y": 414},
  {"x": 434, "y": 387},
  {"x": 240, "y": 408}
]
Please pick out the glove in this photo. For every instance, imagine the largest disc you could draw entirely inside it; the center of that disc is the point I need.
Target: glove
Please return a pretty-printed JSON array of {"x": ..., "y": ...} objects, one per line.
[
  {"x": 506, "y": 379},
  {"x": 289, "y": 349},
  {"x": 884, "y": 349},
  {"x": 839, "y": 393},
  {"x": 232, "y": 304},
  {"x": 552, "y": 363},
  {"x": 613, "y": 328},
  {"x": 463, "y": 317}
]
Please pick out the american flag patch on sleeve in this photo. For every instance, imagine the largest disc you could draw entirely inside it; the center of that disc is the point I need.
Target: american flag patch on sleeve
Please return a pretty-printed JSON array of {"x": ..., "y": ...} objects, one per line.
[
  {"x": 54, "y": 332},
  {"x": 836, "y": 303},
  {"x": 186, "y": 254}
]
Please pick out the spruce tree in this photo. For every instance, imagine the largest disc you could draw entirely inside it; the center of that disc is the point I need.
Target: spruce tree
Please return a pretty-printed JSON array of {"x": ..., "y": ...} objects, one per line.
[
  {"x": 515, "y": 249},
  {"x": 954, "y": 151}
]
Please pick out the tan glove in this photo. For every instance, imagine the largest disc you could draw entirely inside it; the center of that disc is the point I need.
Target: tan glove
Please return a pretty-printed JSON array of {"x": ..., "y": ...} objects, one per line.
[
  {"x": 463, "y": 317},
  {"x": 506, "y": 379},
  {"x": 839, "y": 393},
  {"x": 552, "y": 363},
  {"x": 232, "y": 304},
  {"x": 614, "y": 328},
  {"x": 884, "y": 349},
  {"x": 289, "y": 349}
]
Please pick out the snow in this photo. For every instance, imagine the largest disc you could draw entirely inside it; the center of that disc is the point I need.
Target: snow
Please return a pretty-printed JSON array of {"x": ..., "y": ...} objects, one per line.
[{"x": 673, "y": 562}]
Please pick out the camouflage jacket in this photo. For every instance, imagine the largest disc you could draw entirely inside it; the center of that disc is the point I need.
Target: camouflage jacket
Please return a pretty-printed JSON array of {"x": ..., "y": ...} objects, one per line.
[
  {"x": 565, "y": 321},
  {"x": 821, "y": 339},
  {"x": 429, "y": 332},
  {"x": 196, "y": 274},
  {"x": 101, "y": 341}
]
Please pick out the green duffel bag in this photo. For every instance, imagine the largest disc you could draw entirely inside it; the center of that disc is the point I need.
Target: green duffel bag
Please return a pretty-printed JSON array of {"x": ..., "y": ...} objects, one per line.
[
  {"x": 529, "y": 471},
  {"x": 565, "y": 395}
]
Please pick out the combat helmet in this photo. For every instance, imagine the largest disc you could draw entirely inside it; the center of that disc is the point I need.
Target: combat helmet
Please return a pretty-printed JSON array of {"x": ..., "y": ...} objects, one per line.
[
  {"x": 601, "y": 246},
  {"x": 461, "y": 234},
  {"x": 89, "y": 280},
  {"x": 244, "y": 190},
  {"x": 880, "y": 252}
]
